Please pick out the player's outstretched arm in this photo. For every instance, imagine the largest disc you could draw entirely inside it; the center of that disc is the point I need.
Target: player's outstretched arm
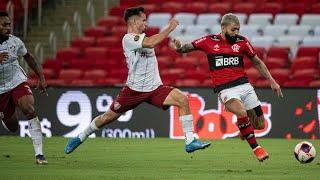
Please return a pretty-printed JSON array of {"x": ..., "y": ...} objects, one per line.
[
  {"x": 262, "y": 68},
  {"x": 37, "y": 69},
  {"x": 182, "y": 49},
  {"x": 152, "y": 41}
]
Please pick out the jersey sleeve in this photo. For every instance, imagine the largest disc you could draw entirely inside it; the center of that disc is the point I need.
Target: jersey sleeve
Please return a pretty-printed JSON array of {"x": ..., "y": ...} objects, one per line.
[
  {"x": 22, "y": 50},
  {"x": 249, "y": 50},
  {"x": 199, "y": 44},
  {"x": 133, "y": 41}
]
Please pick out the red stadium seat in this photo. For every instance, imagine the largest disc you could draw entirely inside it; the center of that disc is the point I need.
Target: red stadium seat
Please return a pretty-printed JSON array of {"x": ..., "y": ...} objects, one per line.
[
  {"x": 119, "y": 31},
  {"x": 296, "y": 83},
  {"x": 82, "y": 64},
  {"x": 271, "y": 7},
  {"x": 186, "y": 63},
  {"x": 304, "y": 63},
  {"x": 56, "y": 82},
  {"x": 253, "y": 74},
  {"x": 152, "y": 31},
  {"x": 261, "y": 52},
  {"x": 165, "y": 61},
  {"x": 262, "y": 83},
  {"x": 93, "y": 53},
  {"x": 110, "y": 21},
  {"x": 54, "y": 64},
  {"x": 280, "y": 75},
  {"x": 315, "y": 83},
  {"x": 279, "y": 52},
  {"x": 176, "y": 72},
  {"x": 68, "y": 53},
  {"x": 172, "y": 7},
  {"x": 110, "y": 82},
  {"x": 207, "y": 83},
  {"x": 306, "y": 74},
  {"x": 297, "y": 8},
  {"x": 82, "y": 83},
  {"x": 150, "y": 8},
  {"x": 273, "y": 63},
  {"x": 308, "y": 51},
  {"x": 196, "y": 7},
  {"x": 197, "y": 54},
  {"x": 48, "y": 74},
  {"x": 83, "y": 42},
  {"x": 70, "y": 74},
  {"x": 109, "y": 41},
  {"x": 126, "y": 3},
  {"x": 117, "y": 11},
  {"x": 221, "y": 8},
  {"x": 95, "y": 74},
  {"x": 246, "y": 8},
  {"x": 198, "y": 75},
  {"x": 118, "y": 73},
  {"x": 98, "y": 31},
  {"x": 247, "y": 62},
  {"x": 315, "y": 8},
  {"x": 166, "y": 51}
]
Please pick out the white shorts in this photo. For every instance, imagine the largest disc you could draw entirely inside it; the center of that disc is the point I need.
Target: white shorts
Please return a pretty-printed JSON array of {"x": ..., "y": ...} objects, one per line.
[{"x": 244, "y": 92}]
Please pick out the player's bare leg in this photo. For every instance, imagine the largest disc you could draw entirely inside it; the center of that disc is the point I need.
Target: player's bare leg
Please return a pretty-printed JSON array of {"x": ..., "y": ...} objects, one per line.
[
  {"x": 177, "y": 98},
  {"x": 246, "y": 128},
  {"x": 97, "y": 123},
  {"x": 26, "y": 104}
]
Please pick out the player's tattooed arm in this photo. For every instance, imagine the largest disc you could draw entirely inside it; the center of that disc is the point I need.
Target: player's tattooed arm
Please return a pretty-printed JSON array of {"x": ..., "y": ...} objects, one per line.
[
  {"x": 262, "y": 68},
  {"x": 182, "y": 49}
]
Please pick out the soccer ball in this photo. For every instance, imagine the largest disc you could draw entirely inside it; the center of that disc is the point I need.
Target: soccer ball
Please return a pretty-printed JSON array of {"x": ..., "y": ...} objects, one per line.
[{"x": 304, "y": 152}]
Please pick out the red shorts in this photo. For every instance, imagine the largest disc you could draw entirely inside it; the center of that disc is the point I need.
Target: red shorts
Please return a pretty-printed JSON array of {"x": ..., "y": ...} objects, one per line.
[
  {"x": 9, "y": 100},
  {"x": 128, "y": 99}
]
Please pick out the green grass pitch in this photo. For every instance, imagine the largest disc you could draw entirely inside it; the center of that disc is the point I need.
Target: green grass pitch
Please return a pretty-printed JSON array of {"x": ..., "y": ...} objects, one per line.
[{"x": 158, "y": 158}]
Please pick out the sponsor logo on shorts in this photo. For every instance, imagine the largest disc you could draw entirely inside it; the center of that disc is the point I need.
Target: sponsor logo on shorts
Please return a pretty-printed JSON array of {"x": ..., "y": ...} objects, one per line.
[{"x": 116, "y": 105}]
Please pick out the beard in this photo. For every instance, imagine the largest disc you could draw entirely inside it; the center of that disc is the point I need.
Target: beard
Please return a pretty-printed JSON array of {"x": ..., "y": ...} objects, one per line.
[
  {"x": 4, "y": 37},
  {"x": 231, "y": 39}
]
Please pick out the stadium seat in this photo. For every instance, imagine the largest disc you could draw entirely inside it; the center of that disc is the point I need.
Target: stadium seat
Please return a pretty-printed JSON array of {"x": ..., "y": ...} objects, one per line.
[
  {"x": 250, "y": 31},
  {"x": 299, "y": 30},
  {"x": 208, "y": 19},
  {"x": 83, "y": 42},
  {"x": 295, "y": 83},
  {"x": 196, "y": 7},
  {"x": 288, "y": 41},
  {"x": 176, "y": 73},
  {"x": 98, "y": 31},
  {"x": 197, "y": 74},
  {"x": 109, "y": 41},
  {"x": 110, "y": 21},
  {"x": 70, "y": 74},
  {"x": 66, "y": 54},
  {"x": 53, "y": 64},
  {"x": 117, "y": 11},
  {"x": 297, "y": 8},
  {"x": 279, "y": 52},
  {"x": 185, "y": 19},
  {"x": 315, "y": 8},
  {"x": 93, "y": 53},
  {"x": 82, "y": 64},
  {"x": 197, "y": 54},
  {"x": 306, "y": 75},
  {"x": 311, "y": 41},
  {"x": 179, "y": 31},
  {"x": 310, "y": 19},
  {"x": 48, "y": 74},
  {"x": 273, "y": 63},
  {"x": 197, "y": 31},
  {"x": 220, "y": 8},
  {"x": 286, "y": 19},
  {"x": 244, "y": 7},
  {"x": 171, "y": 7},
  {"x": 110, "y": 82},
  {"x": 315, "y": 83},
  {"x": 271, "y": 7},
  {"x": 253, "y": 74},
  {"x": 187, "y": 63},
  {"x": 56, "y": 82},
  {"x": 308, "y": 51},
  {"x": 150, "y": 31},
  {"x": 216, "y": 29},
  {"x": 280, "y": 75},
  {"x": 304, "y": 63},
  {"x": 119, "y": 31},
  {"x": 275, "y": 30},
  {"x": 95, "y": 74},
  {"x": 262, "y": 83},
  {"x": 158, "y": 19},
  {"x": 165, "y": 62},
  {"x": 187, "y": 83},
  {"x": 262, "y": 41},
  {"x": 261, "y": 52},
  {"x": 317, "y": 30},
  {"x": 82, "y": 83},
  {"x": 260, "y": 19}
]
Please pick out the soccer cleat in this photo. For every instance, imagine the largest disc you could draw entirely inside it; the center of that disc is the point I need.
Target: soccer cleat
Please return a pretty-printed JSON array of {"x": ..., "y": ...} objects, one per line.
[
  {"x": 196, "y": 145},
  {"x": 73, "y": 143},
  {"x": 41, "y": 160},
  {"x": 260, "y": 153}
]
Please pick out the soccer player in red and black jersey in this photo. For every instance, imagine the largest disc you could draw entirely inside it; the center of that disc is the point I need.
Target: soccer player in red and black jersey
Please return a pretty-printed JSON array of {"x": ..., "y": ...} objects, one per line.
[{"x": 225, "y": 53}]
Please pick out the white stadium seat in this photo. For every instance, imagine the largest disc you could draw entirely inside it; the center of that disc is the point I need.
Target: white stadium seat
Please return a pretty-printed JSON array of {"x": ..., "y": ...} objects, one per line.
[
  {"x": 299, "y": 30},
  {"x": 242, "y": 18},
  {"x": 262, "y": 41},
  {"x": 311, "y": 41},
  {"x": 275, "y": 30},
  {"x": 208, "y": 19},
  {"x": 197, "y": 31},
  {"x": 158, "y": 19},
  {"x": 179, "y": 31},
  {"x": 286, "y": 19},
  {"x": 310, "y": 19},
  {"x": 262, "y": 19},
  {"x": 250, "y": 31},
  {"x": 317, "y": 30},
  {"x": 215, "y": 29},
  {"x": 186, "y": 19}
]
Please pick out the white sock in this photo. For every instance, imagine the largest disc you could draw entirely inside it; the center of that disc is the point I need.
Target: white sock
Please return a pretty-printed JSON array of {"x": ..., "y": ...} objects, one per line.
[
  {"x": 36, "y": 135},
  {"x": 89, "y": 130},
  {"x": 187, "y": 127}
]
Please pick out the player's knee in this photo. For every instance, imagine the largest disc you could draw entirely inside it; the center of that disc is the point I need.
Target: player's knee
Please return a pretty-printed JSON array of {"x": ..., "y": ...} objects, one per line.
[
  {"x": 29, "y": 111},
  {"x": 241, "y": 113},
  {"x": 183, "y": 101}
]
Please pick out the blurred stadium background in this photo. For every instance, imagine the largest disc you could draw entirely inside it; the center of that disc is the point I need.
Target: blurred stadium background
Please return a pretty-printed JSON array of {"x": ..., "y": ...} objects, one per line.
[{"x": 78, "y": 43}]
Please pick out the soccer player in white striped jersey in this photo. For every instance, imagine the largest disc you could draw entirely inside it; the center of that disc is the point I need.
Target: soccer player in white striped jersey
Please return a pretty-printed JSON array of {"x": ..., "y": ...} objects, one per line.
[
  {"x": 14, "y": 90},
  {"x": 143, "y": 83}
]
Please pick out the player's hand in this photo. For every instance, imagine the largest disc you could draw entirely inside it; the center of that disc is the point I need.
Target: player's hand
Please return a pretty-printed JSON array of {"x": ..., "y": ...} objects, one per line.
[
  {"x": 3, "y": 56},
  {"x": 173, "y": 23},
  {"x": 276, "y": 88},
  {"x": 42, "y": 85},
  {"x": 175, "y": 44}
]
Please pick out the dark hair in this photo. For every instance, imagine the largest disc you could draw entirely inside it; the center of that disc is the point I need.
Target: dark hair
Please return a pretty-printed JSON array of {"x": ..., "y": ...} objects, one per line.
[
  {"x": 133, "y": 11},
  {"x": 3, "y": 13}
]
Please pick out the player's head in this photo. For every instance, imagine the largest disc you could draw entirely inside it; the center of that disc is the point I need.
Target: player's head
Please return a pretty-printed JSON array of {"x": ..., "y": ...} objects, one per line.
[
  {"x": 5, "y": 25},
  {"x": 230, "y": 27},
  {"x": 136, "y": 18}
]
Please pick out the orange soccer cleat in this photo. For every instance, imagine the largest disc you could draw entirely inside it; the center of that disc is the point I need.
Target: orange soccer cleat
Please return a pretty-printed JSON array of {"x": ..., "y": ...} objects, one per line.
[{"x": 260, "y": 153}]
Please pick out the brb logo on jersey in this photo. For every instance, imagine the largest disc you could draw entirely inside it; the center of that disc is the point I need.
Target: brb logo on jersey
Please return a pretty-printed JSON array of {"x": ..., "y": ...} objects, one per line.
[
  {"x": 226, "y": 61},
  {"x": 213, "y": 123}
]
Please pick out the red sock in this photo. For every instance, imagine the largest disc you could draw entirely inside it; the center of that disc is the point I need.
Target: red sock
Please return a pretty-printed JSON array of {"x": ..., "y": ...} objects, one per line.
[{"x": 247, "y": 131}]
